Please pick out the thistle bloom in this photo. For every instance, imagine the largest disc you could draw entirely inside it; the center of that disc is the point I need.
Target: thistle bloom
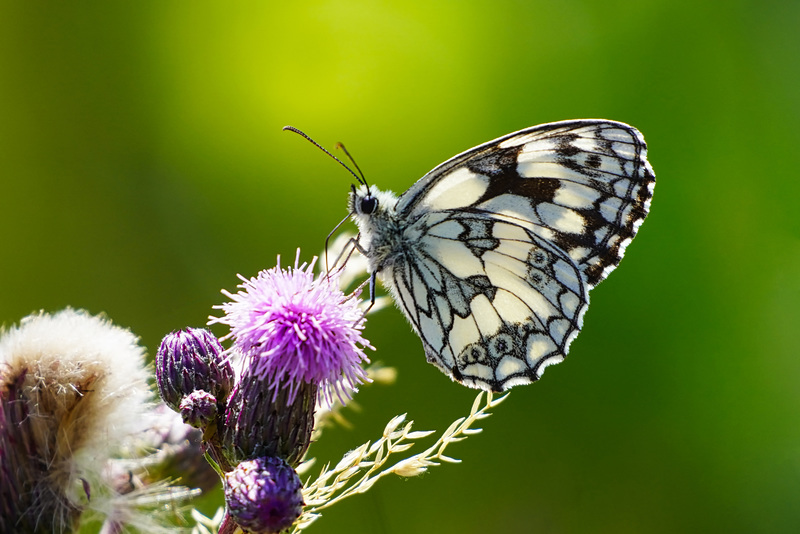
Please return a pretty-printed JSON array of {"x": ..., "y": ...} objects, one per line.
[
  {"x": 264, "y": 495},
  {"x": 293, "y": 329},
  {"x": 296, "y": 341}
]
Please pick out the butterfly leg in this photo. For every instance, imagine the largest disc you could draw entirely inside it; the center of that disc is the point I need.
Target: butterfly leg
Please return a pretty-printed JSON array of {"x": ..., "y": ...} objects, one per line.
[
  {"x": 372, "y": 276},
  {"x": 327, "y": 241},
  {"x": 347, "y": 251}
]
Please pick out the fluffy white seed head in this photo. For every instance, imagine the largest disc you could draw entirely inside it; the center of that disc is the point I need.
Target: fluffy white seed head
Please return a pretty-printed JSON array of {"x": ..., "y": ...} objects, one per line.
[{"x": 83, "y": 382}]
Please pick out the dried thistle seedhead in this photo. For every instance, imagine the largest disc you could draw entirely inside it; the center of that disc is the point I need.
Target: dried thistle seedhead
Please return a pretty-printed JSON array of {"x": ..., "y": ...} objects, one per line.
[{"x": 72, "y": 388}]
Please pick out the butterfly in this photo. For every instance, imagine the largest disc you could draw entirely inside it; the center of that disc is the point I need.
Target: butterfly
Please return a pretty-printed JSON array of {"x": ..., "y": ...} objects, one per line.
[{"x": 492, "y": 254}]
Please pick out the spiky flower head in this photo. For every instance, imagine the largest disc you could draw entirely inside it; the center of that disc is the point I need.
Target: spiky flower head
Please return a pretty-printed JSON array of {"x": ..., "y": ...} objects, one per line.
[
  {"x": 264, "y": 495},
  {"x": 293, "y": 329},
  {"x": 192, "y": 360}
]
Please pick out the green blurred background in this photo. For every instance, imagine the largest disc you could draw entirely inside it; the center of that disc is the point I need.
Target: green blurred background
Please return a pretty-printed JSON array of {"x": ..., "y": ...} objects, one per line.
[{"x": 143, "y": 166}]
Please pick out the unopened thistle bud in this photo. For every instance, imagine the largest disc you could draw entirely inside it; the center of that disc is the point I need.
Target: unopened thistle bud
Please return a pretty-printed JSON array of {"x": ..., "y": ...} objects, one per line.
[
  {"x": 192, "y": 360},
  {"x": 264, "y": 495},
  {"x": 198, "y": 409}
]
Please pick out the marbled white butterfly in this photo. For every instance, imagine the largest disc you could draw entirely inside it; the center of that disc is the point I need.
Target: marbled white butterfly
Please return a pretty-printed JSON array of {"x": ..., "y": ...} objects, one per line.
[{"x": 491, "y": 255}]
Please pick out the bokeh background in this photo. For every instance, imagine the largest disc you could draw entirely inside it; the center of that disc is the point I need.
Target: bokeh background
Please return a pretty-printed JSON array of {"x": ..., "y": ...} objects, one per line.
[{"x": 142, "y": 166}]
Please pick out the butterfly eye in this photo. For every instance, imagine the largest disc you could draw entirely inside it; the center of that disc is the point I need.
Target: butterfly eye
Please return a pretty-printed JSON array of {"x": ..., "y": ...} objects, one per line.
[{"x": 369, "y": 205}]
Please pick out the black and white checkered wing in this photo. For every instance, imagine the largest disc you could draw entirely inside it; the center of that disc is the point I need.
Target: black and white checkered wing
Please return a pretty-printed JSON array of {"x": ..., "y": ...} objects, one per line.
[
  {"x": 498, "y": 247},
  {"x": 493, "y": 303},
  {"x": 583, "y": 185}
]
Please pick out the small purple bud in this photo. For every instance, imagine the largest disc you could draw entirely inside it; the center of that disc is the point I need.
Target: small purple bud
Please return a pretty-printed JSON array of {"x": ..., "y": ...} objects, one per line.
[
  {"x": 198, "y": 409},
  {"x": 190, "y": 360},
  {"x": 264, "y": 495}
]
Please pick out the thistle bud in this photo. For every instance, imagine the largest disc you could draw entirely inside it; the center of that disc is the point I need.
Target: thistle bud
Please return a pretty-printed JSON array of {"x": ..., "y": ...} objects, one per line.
[
  {"x": 264, "y": 495},
  {"x": 190, "y": 360},
  {"x": 198, "y": 409}
]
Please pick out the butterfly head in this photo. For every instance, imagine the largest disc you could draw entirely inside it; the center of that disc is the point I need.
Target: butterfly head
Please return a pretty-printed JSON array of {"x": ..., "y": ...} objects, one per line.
[
  {"x": 366, "y": 201},
  {"x": 362, "y": 201},
  {"x": 372, "y": 210}
]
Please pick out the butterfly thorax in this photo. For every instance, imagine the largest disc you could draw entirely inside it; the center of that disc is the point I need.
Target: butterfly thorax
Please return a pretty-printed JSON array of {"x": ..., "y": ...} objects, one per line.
[{"x": 381, "y": 231}]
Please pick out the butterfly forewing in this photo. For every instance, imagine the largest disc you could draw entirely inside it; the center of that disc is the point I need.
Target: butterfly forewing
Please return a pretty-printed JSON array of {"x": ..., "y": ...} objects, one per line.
[
  {"x": 492, "y": 254},
  {"x": 584, "y": 185}
]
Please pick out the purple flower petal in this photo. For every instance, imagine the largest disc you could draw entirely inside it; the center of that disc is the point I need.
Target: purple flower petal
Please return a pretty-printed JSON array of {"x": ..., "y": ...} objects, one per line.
[{"x": 293, "y": 328}]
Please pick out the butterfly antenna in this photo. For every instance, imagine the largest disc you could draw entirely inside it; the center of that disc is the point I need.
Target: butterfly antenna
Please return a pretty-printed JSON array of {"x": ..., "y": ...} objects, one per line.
[
  {"x": 360, "y": 179},
  {"x": 353, "y": 161}
]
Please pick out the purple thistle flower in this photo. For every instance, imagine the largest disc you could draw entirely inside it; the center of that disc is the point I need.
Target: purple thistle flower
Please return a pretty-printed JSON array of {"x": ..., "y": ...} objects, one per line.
[
  {"x": 293, "y": 329},
  {"x": 264, "y": 495}
]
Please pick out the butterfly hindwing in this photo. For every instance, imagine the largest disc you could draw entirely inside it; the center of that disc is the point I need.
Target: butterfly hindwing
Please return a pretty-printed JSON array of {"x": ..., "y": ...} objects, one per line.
[
  {"x": 493, "y": 303},
  {"x": 492, "y": 254}
]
